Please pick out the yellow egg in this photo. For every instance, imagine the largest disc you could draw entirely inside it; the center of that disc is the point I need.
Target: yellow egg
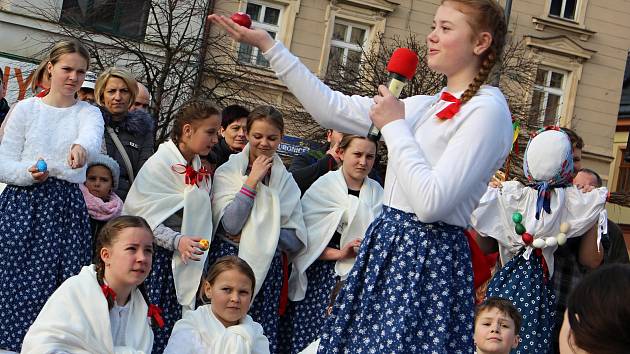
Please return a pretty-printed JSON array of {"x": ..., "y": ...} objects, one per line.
[
  {"x": 562, "y": 238},
  {"x": 564, "y": 227},
  {"x": 204, "y": 244}
]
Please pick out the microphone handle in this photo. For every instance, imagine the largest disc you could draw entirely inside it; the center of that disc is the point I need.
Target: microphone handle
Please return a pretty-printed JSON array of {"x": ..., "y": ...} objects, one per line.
[{"x": 395, "y": 84}]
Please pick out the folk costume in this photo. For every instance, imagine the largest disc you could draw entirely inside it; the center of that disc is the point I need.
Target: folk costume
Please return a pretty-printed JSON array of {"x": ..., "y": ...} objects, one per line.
[
  {"x": 529, "y": 222},
  {"x": 44, "y": 227},
  {"x": 271, "y": 234},
  {"x": 167, "y": 188},
  {"x": 411, "y": 287}
]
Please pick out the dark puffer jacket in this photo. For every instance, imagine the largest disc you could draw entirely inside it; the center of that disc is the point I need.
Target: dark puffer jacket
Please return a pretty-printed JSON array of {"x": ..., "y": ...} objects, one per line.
[{"x": 135, "y": 132}]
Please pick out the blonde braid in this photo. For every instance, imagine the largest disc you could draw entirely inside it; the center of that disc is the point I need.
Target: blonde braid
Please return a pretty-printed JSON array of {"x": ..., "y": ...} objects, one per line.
[{"x": 482, "y": 75}]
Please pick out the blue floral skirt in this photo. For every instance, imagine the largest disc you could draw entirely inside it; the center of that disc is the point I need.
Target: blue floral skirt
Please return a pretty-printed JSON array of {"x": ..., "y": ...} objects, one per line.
[
  {"x": 410, "y": 291},
  {"x": 161, "y": 291},
  {"x": 44, "y": 239},
  {"x": 304, "y": 319},
  {"x": 264, "y": 309},
  {"x": 522, "y": 281}
]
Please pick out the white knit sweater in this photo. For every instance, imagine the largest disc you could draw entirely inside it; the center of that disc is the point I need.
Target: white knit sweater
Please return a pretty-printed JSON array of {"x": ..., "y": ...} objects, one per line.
[{"x": 37, "y": 130}]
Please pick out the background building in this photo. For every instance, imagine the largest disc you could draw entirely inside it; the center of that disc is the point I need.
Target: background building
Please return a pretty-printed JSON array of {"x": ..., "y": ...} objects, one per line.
[{"x": 579, "y": 47}]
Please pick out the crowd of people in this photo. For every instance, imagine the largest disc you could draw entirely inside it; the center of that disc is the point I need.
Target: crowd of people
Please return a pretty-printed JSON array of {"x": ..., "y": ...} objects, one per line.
[{"x": 209, "y": 244}]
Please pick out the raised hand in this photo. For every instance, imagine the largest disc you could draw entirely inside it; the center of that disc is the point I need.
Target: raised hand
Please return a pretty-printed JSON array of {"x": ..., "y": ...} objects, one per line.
[
  {"x": 260, "y": 167},
  {"x": 255, "y": 37}
]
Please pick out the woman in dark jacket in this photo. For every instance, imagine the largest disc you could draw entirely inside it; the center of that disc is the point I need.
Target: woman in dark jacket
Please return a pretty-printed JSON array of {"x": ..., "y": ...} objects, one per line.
[
  {"x": 115, "y": 93},
  {"x": 233, "y": 134}
]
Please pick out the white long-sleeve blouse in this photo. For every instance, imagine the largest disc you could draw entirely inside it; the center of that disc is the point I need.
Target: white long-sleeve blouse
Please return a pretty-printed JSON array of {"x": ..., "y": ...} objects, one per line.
[{"x": 437, "y": 169}]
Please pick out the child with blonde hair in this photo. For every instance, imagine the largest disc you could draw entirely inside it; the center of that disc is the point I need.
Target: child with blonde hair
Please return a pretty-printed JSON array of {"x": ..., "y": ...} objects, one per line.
[{"x": 223, "y": 326}]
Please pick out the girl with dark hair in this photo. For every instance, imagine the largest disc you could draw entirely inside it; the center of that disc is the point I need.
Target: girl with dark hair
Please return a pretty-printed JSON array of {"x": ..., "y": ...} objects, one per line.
[
  {"x": 598, "y": 313},
  {"x": 172, "y": 193},
  {"x": 443, "y": 149},
  {"x": 338, "y": 208},
  {"x": 104, "y": 308},
  {"x": 223, "y": 326},
  {"x": 258, "y": 216},
  {"x": 44, "y": 226}
]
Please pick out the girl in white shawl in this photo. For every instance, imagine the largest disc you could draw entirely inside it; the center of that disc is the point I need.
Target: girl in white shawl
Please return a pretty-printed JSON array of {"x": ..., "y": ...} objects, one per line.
[
  {"x": 172, "y": 192},
  {"x": 223, "y": 326},
  {"x": 257, "y": 213},
  {"x": 104, "y": 308},
  {"x": 338, "y": 208}
]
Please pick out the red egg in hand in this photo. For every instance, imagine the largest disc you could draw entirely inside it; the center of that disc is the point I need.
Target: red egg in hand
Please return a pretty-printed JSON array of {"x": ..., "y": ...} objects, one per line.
[{"x": 242, "y": 19}]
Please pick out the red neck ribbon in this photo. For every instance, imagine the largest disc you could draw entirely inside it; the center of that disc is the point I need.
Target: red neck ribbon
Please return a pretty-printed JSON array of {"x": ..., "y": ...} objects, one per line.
[
  {"x": 192, "y": 177},
  {"x": 156, "y": 314},
  {"x": 451, "y": 109},
  {"x": 108, "y": 292}
]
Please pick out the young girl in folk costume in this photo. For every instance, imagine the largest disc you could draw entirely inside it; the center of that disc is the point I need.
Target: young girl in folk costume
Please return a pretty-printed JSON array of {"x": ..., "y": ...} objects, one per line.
[
  {"x": 223, "y": 326},
  {"x": 411, "y": 288},
  {"x": 104, "y": 308},
  {"x": 98, "y": 191},
  {"x": 529, "y": 222},
  {"x": 44, "y": 226},
  {"x": 338, "y": 208},
  {"x": 172, "y": 191},
  {"x": 256, "y": 210}
]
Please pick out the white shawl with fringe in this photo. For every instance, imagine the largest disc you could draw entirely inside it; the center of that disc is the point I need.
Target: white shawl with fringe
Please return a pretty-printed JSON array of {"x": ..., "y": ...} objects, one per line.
[
  {"x": 325, "y": 204},
  {"x": 159, "y": 192},
  {"x": 276, "y": 206},
  {"x": 493, "y": 216},
  {"x": 75, "y": 319},
  {"x": 200, "y": 332}
]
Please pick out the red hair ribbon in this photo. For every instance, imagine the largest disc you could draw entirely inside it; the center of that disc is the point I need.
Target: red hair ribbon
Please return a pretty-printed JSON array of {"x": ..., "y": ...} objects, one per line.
[
  {"x": 156, "y": 314},
  {"x": 192, "y": 177},
  {"x": 108, "y": 292},
  {"x": 451, "y": 109}
]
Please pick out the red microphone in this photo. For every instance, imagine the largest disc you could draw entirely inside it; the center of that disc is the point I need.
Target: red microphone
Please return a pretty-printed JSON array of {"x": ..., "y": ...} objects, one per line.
[{"x": 401, "y": 67}]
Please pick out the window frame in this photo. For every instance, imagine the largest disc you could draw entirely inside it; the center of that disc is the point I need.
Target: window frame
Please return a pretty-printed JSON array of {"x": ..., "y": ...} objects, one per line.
[
  {"x": 262, "y": 25},
  {"x": 547, "y": 90},
  {"x": 116, "y": 22},
  {"x": 347, "y": 46},
  {"x": 562, "y": 8},
  {"x": 372, "y": 18}
]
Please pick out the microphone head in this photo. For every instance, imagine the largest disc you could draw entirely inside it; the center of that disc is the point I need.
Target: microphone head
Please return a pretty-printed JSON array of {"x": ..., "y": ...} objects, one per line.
[{"x": 404, "y": 62}]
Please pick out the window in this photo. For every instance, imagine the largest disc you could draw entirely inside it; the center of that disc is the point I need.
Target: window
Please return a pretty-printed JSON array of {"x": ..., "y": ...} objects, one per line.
[
  {"x": 548, "y": 97},
  {"x": 125, "y": 18},
  {"x": 565, "y": 9},
  {"x": 346, "y": 45},
  {"x": 263, "y": 16},
  {"x": 623, "y": 178}
]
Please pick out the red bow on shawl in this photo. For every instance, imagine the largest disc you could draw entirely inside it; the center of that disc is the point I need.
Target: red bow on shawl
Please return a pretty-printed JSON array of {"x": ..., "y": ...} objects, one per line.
[
  {"x": 108, "y": 292},
  {"x": 191, "y": 176},
  {"x": 451, "y": 109},
  {"x": 156, "y": 314}
]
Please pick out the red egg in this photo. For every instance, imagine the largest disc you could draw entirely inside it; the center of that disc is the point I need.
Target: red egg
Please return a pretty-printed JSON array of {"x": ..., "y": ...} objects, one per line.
[
  {"x": 242, "y": 19},
  {"x": 527, "y": 238}
]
